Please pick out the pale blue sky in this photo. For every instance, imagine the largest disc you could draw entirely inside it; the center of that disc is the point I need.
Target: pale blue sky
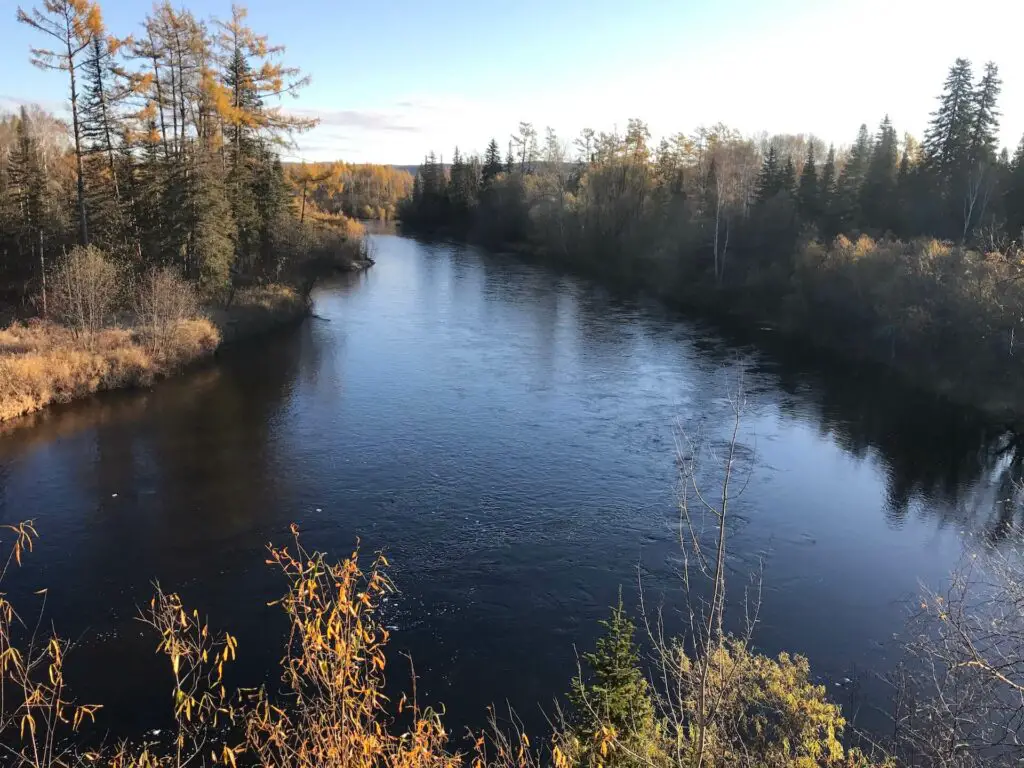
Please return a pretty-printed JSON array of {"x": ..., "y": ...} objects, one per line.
[{"x": 394, "y": 79}]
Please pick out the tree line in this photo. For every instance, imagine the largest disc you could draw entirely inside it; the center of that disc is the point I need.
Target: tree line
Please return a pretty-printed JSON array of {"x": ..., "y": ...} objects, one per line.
[
  {"x": 170, "y": 156},
  {"x": 894, "y": 248},
  {"x": 357, "y": 190},
  {"x": 955, "y": 184}
]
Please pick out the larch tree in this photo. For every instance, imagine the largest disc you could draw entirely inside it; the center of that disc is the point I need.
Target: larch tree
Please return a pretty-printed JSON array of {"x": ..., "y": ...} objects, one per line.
[{"x": 72, "y": 24}]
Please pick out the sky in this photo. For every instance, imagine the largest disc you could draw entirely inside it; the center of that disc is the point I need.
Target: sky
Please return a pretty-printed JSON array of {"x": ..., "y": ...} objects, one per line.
[{"x": 395, "y": 79}]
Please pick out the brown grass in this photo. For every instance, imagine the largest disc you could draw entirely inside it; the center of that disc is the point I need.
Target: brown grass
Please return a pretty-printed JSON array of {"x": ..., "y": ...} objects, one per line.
[{"x": 44, "y": 363}]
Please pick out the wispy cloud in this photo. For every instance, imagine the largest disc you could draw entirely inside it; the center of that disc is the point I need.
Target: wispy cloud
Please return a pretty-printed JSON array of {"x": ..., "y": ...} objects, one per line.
[{"x": 365, "y": 120}]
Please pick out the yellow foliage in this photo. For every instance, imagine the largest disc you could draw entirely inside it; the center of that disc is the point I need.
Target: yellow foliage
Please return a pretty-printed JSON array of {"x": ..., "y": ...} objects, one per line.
[{"x": 764, "y": 708}]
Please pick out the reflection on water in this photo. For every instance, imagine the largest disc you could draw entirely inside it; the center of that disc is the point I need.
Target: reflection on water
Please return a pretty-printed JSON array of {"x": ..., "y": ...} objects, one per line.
[{"x": 507, "y": 433}]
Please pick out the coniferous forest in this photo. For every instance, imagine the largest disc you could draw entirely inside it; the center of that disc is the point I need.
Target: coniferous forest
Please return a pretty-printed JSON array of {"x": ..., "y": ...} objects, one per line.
[
  {"x": 895, "y": 248},
  {"x": 169, "y": 156}
]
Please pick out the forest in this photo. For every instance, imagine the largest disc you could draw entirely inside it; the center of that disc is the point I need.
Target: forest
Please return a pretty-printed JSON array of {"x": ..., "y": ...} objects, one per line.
[
  {"x": 893, "y": 249},
  {"x": 359, "y": 191},
  {"x": 157, "y": 219}
]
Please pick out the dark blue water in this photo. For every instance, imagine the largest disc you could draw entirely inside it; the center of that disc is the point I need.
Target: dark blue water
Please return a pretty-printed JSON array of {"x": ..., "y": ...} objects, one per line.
[{"x": 508, "y": 435}]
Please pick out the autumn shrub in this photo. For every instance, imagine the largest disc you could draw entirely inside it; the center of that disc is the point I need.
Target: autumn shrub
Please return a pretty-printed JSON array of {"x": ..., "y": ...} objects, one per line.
[
  {"x": 331, "y": 710},
  {"x": 84, "y": 290},
  {"x": 162, "y": 300}
]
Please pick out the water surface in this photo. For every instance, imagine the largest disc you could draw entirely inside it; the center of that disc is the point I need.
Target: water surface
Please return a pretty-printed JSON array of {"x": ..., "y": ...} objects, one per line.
[{"x": 507, "y": 434}]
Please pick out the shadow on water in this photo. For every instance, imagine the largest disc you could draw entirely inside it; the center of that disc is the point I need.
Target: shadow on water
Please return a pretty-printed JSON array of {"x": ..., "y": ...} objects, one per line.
[{"x": 507, "y": 433}]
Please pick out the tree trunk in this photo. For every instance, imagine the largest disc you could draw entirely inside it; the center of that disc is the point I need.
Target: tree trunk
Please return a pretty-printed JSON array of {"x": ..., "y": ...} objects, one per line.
[{"x": 83, "y": 223}]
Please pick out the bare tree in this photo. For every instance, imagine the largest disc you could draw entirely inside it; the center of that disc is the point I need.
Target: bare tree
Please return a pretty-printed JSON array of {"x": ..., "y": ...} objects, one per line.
[{"x": 962, "y": 691}]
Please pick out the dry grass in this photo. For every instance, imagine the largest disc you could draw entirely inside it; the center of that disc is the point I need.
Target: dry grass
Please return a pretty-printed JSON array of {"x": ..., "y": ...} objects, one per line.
[{"x": 44, "y": 363}]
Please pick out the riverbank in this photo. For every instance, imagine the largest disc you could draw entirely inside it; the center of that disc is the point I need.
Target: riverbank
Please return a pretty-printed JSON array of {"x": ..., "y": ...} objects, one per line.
[
  {"x": 43, "y": 363},
  {"x": 932, "y": 316}
]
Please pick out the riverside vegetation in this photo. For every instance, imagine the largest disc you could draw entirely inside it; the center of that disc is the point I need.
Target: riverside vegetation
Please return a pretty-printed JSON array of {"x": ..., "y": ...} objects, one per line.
[
  {"x": 160, "y": 221},
  {"x": 895, "y": 250}
]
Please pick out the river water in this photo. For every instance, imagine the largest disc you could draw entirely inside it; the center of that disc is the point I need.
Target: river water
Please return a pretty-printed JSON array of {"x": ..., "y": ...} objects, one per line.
[{"x": 508, "y": 435}]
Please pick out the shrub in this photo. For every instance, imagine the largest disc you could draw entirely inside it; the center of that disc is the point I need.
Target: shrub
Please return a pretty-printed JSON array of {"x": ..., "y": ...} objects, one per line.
[
  {"x": 163, "y": 299},
  {"x": 84, "y": 289}
]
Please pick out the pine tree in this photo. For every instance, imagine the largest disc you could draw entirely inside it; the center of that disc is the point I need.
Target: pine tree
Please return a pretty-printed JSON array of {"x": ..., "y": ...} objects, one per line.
[
  {"x": 947, "y": 142},
  {"x": 984, "y": 131},
  {"x": 769, "y": 180},
  {"x": 510, "y": 160},
  {"x": 808, "y": 197},
  {"x": 492, "y": 163}
]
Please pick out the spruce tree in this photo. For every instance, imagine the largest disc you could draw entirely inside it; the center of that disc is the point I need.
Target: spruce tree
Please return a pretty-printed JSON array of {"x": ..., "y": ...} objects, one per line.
[
  {"x": 769, "y": 179},
  {"x": 808, "y": 201},
  {"x": 1013, "y": 199},
  {"x": 848, "y": 188},
  {"x": 104, "y": 91},
  {"x": 984, "y": 131},
  {"x": 28, "y": 183},
  {"x": 827, "y": 183},
  {"x": 878, "y": 193},
  {"x": 617, "y": 695},
  {"x": 212, "y": 248},
  {"x": 787, "y": 178},
  {"x": 947, "y": 142},
  {"x": 492, "y": 163}
]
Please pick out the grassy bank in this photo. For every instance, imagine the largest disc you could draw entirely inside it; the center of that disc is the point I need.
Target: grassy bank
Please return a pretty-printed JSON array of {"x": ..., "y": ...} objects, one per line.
[{"x": 45, "y": 363}]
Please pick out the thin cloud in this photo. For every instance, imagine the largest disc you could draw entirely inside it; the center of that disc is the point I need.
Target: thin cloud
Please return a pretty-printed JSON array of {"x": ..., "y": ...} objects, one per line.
[{"x": 364, "y": 120}]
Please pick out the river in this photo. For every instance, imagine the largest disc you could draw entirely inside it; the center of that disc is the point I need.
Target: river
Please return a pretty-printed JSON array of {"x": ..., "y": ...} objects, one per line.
[{"x": 508, "y": 435}]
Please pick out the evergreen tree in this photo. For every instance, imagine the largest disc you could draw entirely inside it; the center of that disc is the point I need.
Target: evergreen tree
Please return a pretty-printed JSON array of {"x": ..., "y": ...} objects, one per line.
[
  {"x": 827, "y": 183},
  {"x": 510, "y": 160},
  {"x": 787, "y": 178},
  {"x": 492, "y": 163},
  {"x": 947, "y": 142},
  {"x": 848, "y": 188},
  {"x": 105, "y": 90},
  {"x": 878, "y": 193},
  {"x": 213, "y": 233},
  {"x": 1013, "y": 199},
  {"x": 769, "y": 180},
  {"x": 618, "y": 694},
  {"x": 28, "y": 184},
  {"x": 808, "y": 196},
  {"x": 72, "y": 24},
  {"x": 984, "y": 131},
  {"x": 462, "y": 187}
]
